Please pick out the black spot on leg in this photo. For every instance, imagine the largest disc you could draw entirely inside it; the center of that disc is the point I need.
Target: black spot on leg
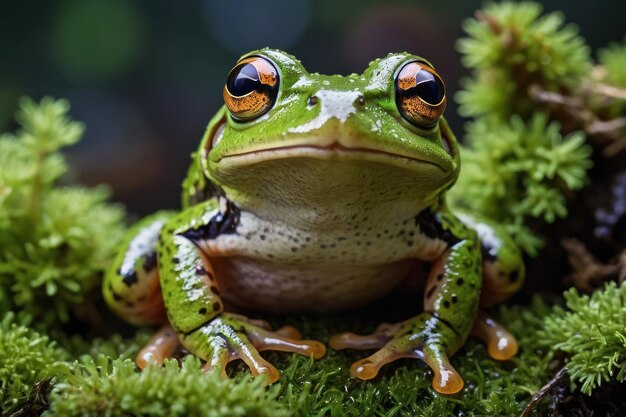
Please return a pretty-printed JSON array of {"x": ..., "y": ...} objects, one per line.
[
  {"x": 514, "y": 276},
  {"x": 431, "y": 291},
  {"x": 214, "y": 290},
  {"x": 116, "y": 296},
  {"x": 217, "y": 306},
  {"x": 460, "y": 282},
  {"x": 130, "y": 278},
  {"x": 489, "y": 253},
  {"x": 200, "y": 270},
  {"x": 175, "y": 260},
  {"x": 150, "y": 262},
  {"x": 262, "y": 237},
  {"x": 454, "y": 299},
  {"x": 294, "y": 249},
  {"x": 440, "y": 277},
  {"x": 446, "y": 304},
  {"x": 202, "y": 311}
]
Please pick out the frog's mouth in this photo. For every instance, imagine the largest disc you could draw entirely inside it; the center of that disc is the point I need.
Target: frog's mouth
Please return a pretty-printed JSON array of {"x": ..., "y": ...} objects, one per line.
[{"x": 329, "y": 152}]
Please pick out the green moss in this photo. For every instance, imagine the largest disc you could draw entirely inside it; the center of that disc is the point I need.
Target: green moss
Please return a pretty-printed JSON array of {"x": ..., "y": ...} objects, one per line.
[
  {"x": 515, "y": 172},
  {"x": 512, "y": 46},
  {"x": 613, "y": 61},
  {"x": 54, "y": 242},
  {"x": 325, "y": 387},
  {"x": 593, "y": 333},
  {"x": 517, "y": 167},
  {"x": 27, "y": 358},
  {"x": 103, "y": 386}
]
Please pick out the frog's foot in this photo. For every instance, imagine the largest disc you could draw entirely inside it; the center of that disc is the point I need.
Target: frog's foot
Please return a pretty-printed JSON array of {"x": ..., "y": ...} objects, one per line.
[
  {"x": 160, "y": 347},
  {"x": 501, "y": 344},
  {"x": 423, "y": 337},
  {"x": 230, "y": 336}
]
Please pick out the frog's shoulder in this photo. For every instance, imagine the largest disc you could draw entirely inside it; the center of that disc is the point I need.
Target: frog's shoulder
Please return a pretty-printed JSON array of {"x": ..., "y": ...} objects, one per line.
[{"x": 196, "y": 187}]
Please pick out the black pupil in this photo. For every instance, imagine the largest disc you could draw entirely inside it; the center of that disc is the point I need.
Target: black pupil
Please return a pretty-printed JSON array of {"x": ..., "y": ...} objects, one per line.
[
  {"x": 429, "y": 88},
  {"x": 243, "y": 79}
]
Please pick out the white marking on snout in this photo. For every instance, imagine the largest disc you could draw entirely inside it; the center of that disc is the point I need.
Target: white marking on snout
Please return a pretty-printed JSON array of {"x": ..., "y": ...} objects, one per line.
[{"x": 337, "y": 104}]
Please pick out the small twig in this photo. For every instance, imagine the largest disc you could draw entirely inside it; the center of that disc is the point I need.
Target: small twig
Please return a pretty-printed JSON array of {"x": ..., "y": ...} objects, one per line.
[
  {"x": 611, "y": 133},
  {"x": 609, "y": 91},
  {"x": 572, "y": 105},
  {"x": 587, "y": 272},
  {"x": 545, "y": 390}
]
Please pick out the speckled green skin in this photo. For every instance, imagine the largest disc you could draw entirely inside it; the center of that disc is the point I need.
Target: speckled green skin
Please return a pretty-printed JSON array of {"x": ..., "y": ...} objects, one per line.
[{"x": 335, "y": 201}]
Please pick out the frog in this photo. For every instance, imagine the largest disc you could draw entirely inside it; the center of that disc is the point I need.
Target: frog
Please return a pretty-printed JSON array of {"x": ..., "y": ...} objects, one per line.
[{"x": 314, "y": 193}]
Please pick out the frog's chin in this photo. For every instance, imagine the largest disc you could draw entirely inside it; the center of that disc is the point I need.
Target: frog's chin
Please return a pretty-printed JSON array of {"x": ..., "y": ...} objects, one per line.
[{"x": 324, "y": 186}]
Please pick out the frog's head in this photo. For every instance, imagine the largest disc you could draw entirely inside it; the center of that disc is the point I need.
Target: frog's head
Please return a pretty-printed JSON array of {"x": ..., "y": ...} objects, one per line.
[{"x": 290, "y": 139}]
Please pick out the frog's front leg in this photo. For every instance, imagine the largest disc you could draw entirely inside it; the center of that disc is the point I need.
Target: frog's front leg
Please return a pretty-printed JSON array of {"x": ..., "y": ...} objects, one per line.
[
  {"x": 450, "y": 303},
  {"x": 194, "y": 304},
  {"x": 503, "y": 275}
]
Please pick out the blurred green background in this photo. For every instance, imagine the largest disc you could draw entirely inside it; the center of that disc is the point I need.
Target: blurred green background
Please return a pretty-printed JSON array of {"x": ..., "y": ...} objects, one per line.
[{"x": 146, "y": 76}]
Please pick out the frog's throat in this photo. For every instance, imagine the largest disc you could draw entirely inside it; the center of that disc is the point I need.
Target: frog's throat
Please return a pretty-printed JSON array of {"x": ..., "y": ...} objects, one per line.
[{"x": 333, "y": 151}]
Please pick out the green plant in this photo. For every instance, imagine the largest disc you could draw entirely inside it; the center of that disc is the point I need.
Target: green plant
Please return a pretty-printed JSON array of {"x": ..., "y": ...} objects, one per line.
[
  {"x": 518, "y": 167},
  {"x": 27, "y": 358},
  {"x": 54, "y": 241},
  {"x": 511, "y": 47},
  {"x": 516, "y": 172},
  {"x": 104, "y": 386},
  {"x": 592, "y": 333},
  {"x": 613, "y": 61}
]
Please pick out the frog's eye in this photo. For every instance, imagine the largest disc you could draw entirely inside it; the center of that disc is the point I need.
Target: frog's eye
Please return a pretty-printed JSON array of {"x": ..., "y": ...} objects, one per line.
[
  {"x": 251, "y": 88},
  {"x": 420, "y": 94}
]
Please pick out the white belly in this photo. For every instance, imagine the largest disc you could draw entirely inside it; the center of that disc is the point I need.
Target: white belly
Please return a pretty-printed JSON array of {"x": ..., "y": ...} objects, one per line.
[{"x": 260, "y": 285}]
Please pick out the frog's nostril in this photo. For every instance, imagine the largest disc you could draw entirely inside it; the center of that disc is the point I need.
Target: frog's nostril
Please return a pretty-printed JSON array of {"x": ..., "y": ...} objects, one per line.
[{"x": 312, "y": 101}]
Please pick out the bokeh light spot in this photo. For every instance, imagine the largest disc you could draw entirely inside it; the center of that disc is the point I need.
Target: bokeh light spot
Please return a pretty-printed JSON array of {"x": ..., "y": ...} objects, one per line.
[
  {"x": 241, "y": 25},
  {"x": 95, "y": 40}
]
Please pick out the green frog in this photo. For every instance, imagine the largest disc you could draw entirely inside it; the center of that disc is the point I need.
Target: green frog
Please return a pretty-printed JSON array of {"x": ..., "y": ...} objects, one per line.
[{"x": 317, "y": 193}]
